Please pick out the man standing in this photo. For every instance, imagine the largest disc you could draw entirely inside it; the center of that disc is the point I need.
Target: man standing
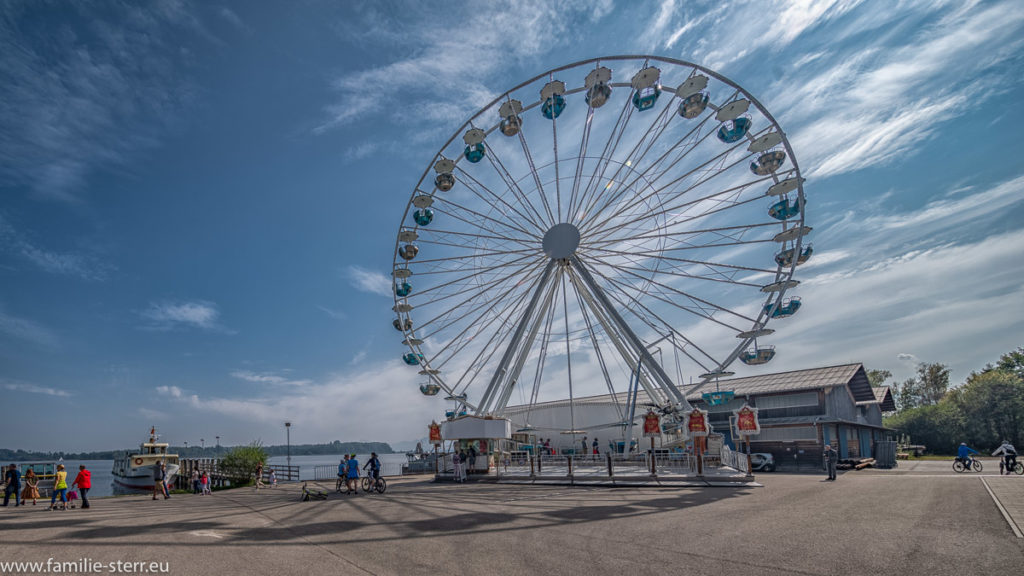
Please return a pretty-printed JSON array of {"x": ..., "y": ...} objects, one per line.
[
  {"x": 584, "y": 446},
  {"x": 353, "y": 474},
  {"x": 158, "y": 480},
  {"x": 84, "y": 482},
  {"x": 831, "y": 459},
  {"x": 13, "y": 480}
]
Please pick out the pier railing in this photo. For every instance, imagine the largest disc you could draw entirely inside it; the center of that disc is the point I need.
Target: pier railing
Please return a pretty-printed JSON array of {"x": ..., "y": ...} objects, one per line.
[{"x": 325, "y": 472}]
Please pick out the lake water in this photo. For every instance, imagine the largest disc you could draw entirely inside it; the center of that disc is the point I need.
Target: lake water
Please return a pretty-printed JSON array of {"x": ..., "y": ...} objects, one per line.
[{"x": 102, "y": 478}]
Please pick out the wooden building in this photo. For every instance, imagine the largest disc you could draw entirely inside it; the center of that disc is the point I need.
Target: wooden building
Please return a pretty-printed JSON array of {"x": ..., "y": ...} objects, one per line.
[{"x": 799, "y": 411}]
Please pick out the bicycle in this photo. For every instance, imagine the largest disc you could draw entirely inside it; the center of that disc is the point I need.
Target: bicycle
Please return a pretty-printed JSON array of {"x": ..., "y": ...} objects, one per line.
[
  {"x": 370, "y": 484},
  {"x": 308, "y": 494},
  {"x": 1018, "y": 468},
  {"x": 339, "y": 484},
  {"x": 960, "y": 466}
]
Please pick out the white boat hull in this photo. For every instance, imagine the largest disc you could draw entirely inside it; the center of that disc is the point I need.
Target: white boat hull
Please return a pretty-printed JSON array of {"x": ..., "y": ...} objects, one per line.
[{"x": 143, "y": 481}]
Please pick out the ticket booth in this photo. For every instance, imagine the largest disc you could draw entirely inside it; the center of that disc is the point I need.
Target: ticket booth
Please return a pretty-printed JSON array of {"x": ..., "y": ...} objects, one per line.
[{"x": 481, "y": 435}]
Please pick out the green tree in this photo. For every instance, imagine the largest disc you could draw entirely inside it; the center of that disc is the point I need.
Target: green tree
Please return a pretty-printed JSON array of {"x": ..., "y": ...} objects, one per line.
[
  {"x": 927, "y": 389},
  {"x": 1013, "y": 362},
  {"x": 239, "y": 464},
  {"x": 878, "y": 377},
  {"x": 938, "y": 426},
  {"x": 992, "y": 405}
]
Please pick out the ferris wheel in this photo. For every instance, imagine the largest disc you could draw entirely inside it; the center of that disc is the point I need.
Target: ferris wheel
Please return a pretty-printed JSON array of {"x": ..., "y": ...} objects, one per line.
[{"x": 617, "y": 217}]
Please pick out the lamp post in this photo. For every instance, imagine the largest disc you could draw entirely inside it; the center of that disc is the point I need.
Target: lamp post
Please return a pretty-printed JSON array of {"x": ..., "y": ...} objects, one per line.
[
  {"x": 218, "y": 446},
  {"x": 202, "y": 444},
  {"x": 288, "y": 434},
  {"x": 186, "y": 448}
]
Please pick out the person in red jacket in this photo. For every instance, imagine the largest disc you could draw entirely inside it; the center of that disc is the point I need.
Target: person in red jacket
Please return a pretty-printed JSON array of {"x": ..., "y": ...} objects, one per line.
[{"x": 84, "y": 482}]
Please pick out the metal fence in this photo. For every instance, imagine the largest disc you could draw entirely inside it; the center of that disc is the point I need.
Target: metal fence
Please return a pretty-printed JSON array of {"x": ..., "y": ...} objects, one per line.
[
  {"x": 325, "y": 472},
  {"x": 733, "y": 459}
]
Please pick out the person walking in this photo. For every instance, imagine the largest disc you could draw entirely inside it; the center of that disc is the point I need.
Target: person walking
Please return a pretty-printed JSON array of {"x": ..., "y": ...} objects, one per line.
[
  {"x": 831, "y": 459},
  {"x": 84, "y": 482},
  {"x": 583, "y": 449},
  {"x": 472, "y": 459},
  {"x": 60, "y": 488},
  {"x": 163, "y": 484},
  {"x": 259, "y": 476},
  {"x": 596, "y": 447},
  {"x": 195, "y": 481},
  {"x": 12, "y": 478},
  {"x": 158, "y": 481},
  {"x": 273, "y": 478},
  {"x": 31, "y": 491},
  {"x": 204, "y": 484}
]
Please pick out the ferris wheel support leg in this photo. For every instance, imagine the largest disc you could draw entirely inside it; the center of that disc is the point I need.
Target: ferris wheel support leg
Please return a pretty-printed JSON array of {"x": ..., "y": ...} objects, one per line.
[
  {"x": 638, "y": 346},
  {"x": 513, "y": 345}
]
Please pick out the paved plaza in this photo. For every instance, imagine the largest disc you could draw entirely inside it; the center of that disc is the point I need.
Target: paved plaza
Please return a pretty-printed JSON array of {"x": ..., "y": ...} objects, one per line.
[{"x": 918, "y": 519}]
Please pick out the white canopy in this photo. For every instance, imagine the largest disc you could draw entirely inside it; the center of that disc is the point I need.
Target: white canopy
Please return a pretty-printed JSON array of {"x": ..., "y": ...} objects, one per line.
[{"x": 468, "y": 427}]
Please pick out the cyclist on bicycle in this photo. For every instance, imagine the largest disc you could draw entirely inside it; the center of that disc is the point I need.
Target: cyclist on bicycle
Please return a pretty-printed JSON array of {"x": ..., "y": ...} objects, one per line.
[
  {"x": 374, "y": 465},
  {"x": 1009, "y": 454},
  {"x": 963, "y": 454},
  {"x": 342, "y": 474}
]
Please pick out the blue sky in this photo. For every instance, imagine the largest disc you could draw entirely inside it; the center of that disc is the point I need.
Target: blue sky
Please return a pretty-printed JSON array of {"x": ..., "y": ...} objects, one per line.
[{"x": 198, "y": 201}]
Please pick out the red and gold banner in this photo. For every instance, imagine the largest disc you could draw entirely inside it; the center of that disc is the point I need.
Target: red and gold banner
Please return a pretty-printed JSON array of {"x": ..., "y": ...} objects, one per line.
[
  {"x": 697, "y": 423},
  {"x": 747, "y": 423},
  {"x": 435, "y": 433},
  {"x": 652, "y": 425}
]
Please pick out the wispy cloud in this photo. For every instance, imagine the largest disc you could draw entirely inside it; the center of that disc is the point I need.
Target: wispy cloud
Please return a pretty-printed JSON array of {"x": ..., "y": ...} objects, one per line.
[
  {"x": 370, "y": 281},
  {"x": 172, "y": 391},
  {"x": 488, "y": 38},
  {"x": 86, "y": 267},
  {"x": 332, "y": 313},
  {"x": 268, "y": 378},
  {"x": 232, "y": 18},
  {"x": 26, "y": 330},
  {"x": 30, "y": 388},
  {"x": 170, "y": 315},
  {"x": 360, "y": 151},
  {"x": 114, "y": 82}
]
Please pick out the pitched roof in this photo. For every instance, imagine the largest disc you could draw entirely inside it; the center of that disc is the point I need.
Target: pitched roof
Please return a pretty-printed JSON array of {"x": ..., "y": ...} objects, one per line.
[
  {"x": 883, "y": 395},
  {"x": 811, "y": 379},
  {"x": 852, "y": 375}
]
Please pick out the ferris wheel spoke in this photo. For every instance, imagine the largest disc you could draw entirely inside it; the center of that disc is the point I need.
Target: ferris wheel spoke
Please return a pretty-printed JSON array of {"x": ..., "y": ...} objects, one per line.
[
  {"x": 512, "y": 303},
  {"x": 522, "y": 354},
  {"x": 475, "y": 273},
  {"x": 482, "y": 217},
  {"x": 536, "y": 177},
  {"x": 580, "y": 159},
  {"x": 597, "y": 349},
  {"x": 713, "y": 266},
  {"x": 496, "y": 198},
  {"x": 593, "y": 186},
  {"x": 476, "y": 291},
  {"x": 716, "y": 276},
  {"x": 489, "y": 296},
  {"x": 658, "y": 326},
  {"x": 660, "y": 295},
  {"x": 662, "y": 190},
  {"x": 517, "y": 190}
]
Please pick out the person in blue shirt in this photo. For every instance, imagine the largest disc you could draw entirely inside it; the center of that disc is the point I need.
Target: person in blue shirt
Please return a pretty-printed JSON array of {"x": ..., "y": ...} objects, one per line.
[
  {"x": 353, "y": 475},
  {"x": 374, "y": 464},
  {"x": 12, "y": 478},
  {"x": 342, "y": 473},
  {"x": 963, "y": 454}
]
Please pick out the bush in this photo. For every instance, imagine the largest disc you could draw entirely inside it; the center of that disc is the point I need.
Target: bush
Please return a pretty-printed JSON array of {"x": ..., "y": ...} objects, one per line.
[{"x": 239, "y": 465}]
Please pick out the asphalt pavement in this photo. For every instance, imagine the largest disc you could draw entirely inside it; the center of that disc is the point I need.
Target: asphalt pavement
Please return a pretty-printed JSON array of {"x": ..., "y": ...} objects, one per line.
[{"x": 910, "y": 521}]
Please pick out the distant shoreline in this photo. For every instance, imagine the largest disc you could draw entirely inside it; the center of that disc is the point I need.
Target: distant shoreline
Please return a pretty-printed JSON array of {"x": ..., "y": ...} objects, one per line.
[{"x": 18, "y": 455}]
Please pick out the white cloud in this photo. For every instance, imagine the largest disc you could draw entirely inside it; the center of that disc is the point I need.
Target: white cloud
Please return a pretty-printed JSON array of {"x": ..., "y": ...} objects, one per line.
[
  {"x": 172, "y": 391},
  {"x": 268, "y": 378},
  {"x": 82, "y": 266},
  {"x": 332, "y": 313},
  {"x": 370, "y": 281},
  {"x": 28, "y": 387},
  {"x": 25, "y": 329},
  {"x": 101, "y": 87},
  {"x": 232, "y": 18},
  {"x": 169, "y": 315}
]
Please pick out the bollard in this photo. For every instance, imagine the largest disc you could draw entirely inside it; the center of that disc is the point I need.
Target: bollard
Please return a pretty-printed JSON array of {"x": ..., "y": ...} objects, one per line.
[
  {"x": 530, "y": 456},
  {"x": 569, "y": 460},
  {"x": 540, "y": 465},
  {"x": 650, "y": 454},
  {"x": 611, "y": 471}
]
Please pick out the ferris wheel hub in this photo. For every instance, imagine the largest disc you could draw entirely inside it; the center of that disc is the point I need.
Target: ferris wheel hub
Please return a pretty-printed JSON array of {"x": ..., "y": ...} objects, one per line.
[{"x": 561, "y": 241}]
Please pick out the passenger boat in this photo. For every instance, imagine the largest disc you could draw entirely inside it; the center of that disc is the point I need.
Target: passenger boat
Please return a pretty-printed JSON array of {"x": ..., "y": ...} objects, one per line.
[{"x": 133, "y": 471}]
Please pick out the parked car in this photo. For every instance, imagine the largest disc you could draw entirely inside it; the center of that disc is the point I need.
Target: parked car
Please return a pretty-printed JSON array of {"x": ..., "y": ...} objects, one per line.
[{"x": 762, "y": 462}]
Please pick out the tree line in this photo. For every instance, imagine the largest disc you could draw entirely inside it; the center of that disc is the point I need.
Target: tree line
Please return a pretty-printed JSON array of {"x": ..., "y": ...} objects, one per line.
[
  {"x": 985, "y": 409},
  {"x": 335, "y": 447}
]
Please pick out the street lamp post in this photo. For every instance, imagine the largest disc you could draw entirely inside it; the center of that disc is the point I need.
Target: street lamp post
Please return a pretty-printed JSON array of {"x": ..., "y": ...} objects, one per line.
[
  {"x": 288, "y": 434},
  {"x": 218, "y": 446},
  {"x": 202, "y": 444}
]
